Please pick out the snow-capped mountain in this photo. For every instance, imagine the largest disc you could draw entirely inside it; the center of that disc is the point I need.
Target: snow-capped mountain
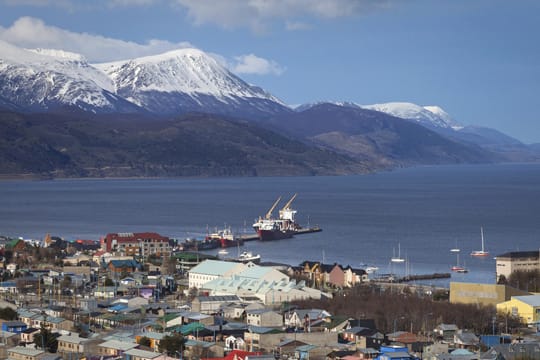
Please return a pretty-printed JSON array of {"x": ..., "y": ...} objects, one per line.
[
  {"x": 186, "y": 80},
  {"x": 175, "y": 82},
  {"x": 425, "y": 115},
  {"x": 41, "y": 80}
]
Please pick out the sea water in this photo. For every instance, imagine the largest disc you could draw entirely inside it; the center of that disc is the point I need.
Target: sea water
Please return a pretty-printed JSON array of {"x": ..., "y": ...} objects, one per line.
[{"x": 420, "y": 212}]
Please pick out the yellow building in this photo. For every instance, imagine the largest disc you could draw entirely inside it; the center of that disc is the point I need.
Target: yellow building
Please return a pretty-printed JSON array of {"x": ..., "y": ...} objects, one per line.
[
  {"x": 482, "y": 294},
  {"x": 526, "y": 307}
]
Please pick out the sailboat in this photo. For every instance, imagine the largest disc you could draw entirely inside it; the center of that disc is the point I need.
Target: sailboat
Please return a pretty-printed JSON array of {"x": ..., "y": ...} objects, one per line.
[
  {"x": 458, "y": 268},
  {"x": 398, "y": 259},
  {"x": 480, "y": 252}
]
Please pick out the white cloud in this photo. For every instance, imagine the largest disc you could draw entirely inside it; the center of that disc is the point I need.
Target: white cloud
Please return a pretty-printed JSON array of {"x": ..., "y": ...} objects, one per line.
[
  {"x": 252, "y": 64},
  {"x": 30, "y": 32},
  {"x": 256, "y": 14}
]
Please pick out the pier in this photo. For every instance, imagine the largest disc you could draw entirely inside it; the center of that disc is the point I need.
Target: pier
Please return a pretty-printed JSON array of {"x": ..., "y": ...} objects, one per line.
[{"x": 302, "y": 231}]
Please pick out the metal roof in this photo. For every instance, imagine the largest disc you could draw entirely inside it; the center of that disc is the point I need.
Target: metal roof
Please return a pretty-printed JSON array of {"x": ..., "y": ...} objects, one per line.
[{"x": 215, "y": 267}]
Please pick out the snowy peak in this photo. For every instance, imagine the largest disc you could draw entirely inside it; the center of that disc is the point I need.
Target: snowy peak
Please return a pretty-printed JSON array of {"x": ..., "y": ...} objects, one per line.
[
  {"x": 188, "y": 71},
  {"x": 174, "y": 82},
  {"x": 427, "y": 115},
  {"x": 43, "y": 79}
]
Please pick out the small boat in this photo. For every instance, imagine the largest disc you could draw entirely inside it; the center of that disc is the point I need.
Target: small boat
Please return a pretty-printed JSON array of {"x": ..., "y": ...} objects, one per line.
[
  {"x": 223, "y": 252},
  {"x": 458, "y": 268},
  {"x": 398, "y": 259},
  {"x": 483, "y": 252},
  {"x": 248, "y": 256},
  {"x": 371, "y": 269}
]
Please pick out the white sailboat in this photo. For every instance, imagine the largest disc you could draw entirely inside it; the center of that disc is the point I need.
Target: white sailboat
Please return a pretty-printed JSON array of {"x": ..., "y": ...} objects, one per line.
[
  {"x": 482, "y": 252},
  {"x": 458, "y": 268},
  {"x": 398, "y": 259}
]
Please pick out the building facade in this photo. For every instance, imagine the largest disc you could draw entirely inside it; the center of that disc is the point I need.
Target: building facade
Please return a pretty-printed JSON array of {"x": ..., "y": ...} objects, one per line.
[
  {"x": 509, "y": 262},
  {"x": 136, "y": 244}
]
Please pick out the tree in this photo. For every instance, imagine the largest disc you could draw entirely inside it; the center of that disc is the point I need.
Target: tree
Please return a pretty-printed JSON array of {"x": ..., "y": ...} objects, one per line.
[
  {"x": 144, "y": 341},
  {"x": 45, "y": 339},
  {"x": 172, "y": 344},
  {"x": 108, "y": 282},
  {"x": 8, "y": 313}
]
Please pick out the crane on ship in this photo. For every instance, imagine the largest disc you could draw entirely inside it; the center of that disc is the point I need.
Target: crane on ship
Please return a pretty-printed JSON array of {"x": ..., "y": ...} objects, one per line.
[
  {"x": 268, "y": 215},
  {"x": 288, "y": 204}
]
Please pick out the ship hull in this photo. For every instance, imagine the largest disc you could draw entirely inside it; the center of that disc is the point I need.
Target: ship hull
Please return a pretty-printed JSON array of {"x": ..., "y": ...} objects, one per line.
[{"x": 269, "y": 235}]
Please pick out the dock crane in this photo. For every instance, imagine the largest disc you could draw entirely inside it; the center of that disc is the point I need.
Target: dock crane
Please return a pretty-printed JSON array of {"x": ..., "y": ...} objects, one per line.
[{"x": 268, "y": 215}]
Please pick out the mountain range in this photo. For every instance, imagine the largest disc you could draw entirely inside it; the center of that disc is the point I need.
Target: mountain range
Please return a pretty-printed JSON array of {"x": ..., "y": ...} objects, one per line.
[{"x": 183, "y": 113}]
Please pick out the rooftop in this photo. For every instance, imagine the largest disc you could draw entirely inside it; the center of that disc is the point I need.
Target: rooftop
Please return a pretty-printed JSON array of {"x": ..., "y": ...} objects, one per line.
[
  {"x": 532, "y": 300},
  {"x": 520, "y": 254},
  {"x": 215, "y": 267}
]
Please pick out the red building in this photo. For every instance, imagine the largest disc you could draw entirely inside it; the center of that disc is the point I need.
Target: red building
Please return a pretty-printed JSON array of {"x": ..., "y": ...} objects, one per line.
[{"x": 136, "y": 244}]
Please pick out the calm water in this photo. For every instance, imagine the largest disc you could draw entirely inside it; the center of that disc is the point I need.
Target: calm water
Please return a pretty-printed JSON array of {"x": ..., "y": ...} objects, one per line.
[{"x": 425, "y": 211}]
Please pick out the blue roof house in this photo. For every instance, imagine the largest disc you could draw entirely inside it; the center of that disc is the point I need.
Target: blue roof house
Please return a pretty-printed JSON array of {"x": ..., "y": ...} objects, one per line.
[{"x": 16, "y": 327}]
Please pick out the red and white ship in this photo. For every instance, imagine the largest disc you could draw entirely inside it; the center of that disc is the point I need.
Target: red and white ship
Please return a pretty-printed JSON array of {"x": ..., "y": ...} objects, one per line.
[
  {"x": 225, "y": 237},
  {"x": 284, "y": 227}
]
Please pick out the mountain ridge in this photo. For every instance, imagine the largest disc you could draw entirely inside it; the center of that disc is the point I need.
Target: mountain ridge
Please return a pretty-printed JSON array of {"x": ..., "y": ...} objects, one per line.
[{"x": 44, "y": 83}]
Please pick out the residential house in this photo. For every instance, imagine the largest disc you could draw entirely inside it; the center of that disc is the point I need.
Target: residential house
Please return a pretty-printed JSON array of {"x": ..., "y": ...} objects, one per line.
[
  {"x": 309, "y": 351},
  {"x": 105, "y": 292},
  {"x": 24, "y": 353},
  {"x": 515, "y": 351},
  {"x": 367, "y": 353},
  {"x": 213, "y": 304},
  {"x": 527, "y": 307},
  {"x": 202, "y": 349},
  {"x": 88, "y": 304},
  {"x": 171, "y": 320},
  {"x": 446, "y": 332},
  {"x": 115, "y": 347},
  {"x": 138, "y": 354},
  {"x": 394, "y": 352},
  {"x": 154, "y": 337},
  {"x": 264, "y": 317},
  {"x": 9, "y": 339},
  {"x": 123, "y": 266},
  {"x": 305, "y": 318},
  {"x": 466, "y": 340},
  {"x": 363, "y": 337},
  {"x": 458, "y": 354},
  {"x": 16, "y": 327},
  {"x": 71, "y": 346},
  {"x": 431, "y": 351},
  {"x": 316, "y": 272},
  {"x": 287, "y": 348},
  {"x": 76, "y": 259},
  {"x": 27, "y": 336},
  {"x": 15, "y": 245},
  {"x": 234, "y": 343},
  {"x": 345, "y": 277}
]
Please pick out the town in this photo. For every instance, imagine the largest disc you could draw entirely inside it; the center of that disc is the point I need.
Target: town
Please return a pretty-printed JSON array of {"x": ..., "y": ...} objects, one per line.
[{"x": 136, "y": 296}]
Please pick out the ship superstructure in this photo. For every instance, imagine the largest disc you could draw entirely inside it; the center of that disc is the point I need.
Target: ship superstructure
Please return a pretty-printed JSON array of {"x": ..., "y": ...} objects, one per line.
[{"x": 270, "y": 228}]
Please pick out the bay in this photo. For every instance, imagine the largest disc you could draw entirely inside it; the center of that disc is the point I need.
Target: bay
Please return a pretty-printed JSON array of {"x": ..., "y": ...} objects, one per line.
[{"x": 423, "y": 211}]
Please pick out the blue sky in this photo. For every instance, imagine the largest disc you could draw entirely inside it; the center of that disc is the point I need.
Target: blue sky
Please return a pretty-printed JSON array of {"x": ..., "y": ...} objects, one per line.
[{"x": 477, "y": 59}]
